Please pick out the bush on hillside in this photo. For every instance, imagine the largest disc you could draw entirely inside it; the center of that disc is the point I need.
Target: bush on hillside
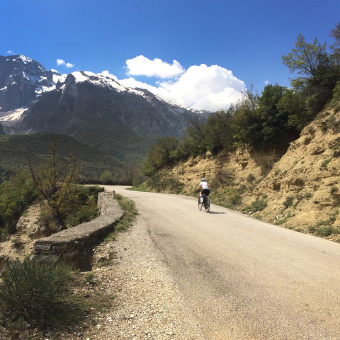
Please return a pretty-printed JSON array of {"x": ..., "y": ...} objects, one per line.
[
  {"x": 219, "y": 131},
  {"x": 16, "y": 195},
  {"x": 34, "y": 292},
  {"x": 257, "y": 205},
  {"x": 160, "y": 155},
  {"x": 80, "y": 206}
]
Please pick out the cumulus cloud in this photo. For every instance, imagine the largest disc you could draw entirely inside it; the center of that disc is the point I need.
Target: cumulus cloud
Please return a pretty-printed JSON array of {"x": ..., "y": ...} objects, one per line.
[
  {"x": 10, "y": 52},
  {"x": 200, "y": 87},
  {"x": 153, "y": 68},
  {"x": 266, "y": 82},
  {"x": 132, "y": 82},
  {"x": 108, "y": 74},
  {"x": 62, "y": 62}
]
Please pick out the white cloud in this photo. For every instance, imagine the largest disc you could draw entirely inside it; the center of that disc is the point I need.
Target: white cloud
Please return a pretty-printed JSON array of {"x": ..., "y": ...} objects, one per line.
[
  {"x": 132, "y": 82},
  {"x": 200, "y": 87},
  {"x": 62, "y": 62},
  {"x": 153, "y": 68},
  {"x": 108, "y": 74},
  {"x": 10, "y": 52},
  {"x": 266, "y": 82}
]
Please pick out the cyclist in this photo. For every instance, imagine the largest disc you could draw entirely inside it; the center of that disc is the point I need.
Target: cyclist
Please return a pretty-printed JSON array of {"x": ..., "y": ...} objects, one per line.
[{"x": 204, "y": 187}]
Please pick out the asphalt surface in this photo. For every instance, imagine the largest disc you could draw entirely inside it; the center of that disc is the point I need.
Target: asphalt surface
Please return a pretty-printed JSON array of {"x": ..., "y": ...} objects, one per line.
[{"x": 243, "y": 278}]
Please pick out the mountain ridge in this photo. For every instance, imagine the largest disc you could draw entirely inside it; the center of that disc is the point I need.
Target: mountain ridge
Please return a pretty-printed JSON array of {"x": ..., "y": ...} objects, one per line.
[{"x": 84, "y": 104}]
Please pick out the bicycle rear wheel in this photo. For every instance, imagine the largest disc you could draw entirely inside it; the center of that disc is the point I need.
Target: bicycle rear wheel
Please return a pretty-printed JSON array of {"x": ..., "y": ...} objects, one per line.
[
  {"x": 207, "y": 205},
  {"x": 200, "y": 204}
]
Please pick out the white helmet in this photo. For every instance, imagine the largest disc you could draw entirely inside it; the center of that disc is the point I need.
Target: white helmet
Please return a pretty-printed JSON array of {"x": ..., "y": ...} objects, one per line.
[{"x": 203, "y": 179}]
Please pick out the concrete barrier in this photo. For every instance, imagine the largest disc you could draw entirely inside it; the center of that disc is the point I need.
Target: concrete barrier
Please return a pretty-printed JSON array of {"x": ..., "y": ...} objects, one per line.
[{"x": 73, "y": 246}]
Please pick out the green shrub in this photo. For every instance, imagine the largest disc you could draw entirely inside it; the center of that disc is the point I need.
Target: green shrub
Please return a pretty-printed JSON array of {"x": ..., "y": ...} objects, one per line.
[
  {"x": 15, "y": 197},
  {"x": 251, "y": 178},
  {"x": 326, "y": 231},
  {"x": 233, "y": 195},
  {"x": 106, "y": 176},
  {"x": 288, "y": 202},
  {"x": 255, "y": 206},
  {"x": 34, "y": 292},
  {"x": 80, "y": 206},
  {"x": 324, "y": 164},
  {"x": 89, "y": 277}
]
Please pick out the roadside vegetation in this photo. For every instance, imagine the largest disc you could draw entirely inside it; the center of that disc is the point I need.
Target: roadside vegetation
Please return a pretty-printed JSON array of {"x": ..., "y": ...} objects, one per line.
[
  {"x": 38, "y": 299},
  {"x": 53, "y": 183},
  {"x": 35, "y": 293},
  {"x": 130, "y": 213},
  {"x": 264, "y": 125}
]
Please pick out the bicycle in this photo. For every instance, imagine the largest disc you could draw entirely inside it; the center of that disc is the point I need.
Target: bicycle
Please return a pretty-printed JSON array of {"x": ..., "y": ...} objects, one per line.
[{"x": 204, "y": 201}]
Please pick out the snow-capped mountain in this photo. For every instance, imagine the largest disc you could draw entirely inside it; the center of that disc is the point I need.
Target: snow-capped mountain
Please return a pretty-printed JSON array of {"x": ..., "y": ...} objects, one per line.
[
  {"x": 94, "y": 101},
  {"x": 93, "y": 108},
  {"x": 22, "y": 80}
]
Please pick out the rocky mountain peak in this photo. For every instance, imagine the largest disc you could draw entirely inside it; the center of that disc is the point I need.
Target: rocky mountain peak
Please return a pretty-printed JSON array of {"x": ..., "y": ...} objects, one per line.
[{"x": 22, "y": 79}]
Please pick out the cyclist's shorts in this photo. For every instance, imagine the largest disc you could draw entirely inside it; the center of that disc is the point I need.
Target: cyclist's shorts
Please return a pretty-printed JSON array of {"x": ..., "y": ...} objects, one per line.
[{"x": 206, "y": 192}]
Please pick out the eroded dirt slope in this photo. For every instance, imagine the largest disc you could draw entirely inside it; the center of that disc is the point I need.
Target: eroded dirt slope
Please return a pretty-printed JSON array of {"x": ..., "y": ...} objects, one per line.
[{"x": 300, "y": 189}]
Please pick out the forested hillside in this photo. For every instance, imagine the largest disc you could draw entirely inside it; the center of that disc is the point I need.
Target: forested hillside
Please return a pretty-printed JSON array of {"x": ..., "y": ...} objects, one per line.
[{"x": 17, "y": 151}]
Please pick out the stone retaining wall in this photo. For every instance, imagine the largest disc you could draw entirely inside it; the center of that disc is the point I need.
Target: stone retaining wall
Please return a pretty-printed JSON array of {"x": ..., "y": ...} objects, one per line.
[{"x": 73, "y": 246}]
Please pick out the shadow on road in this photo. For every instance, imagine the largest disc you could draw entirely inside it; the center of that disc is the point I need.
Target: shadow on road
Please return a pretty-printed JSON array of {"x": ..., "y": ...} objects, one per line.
[{"x": 217, "y": 213}]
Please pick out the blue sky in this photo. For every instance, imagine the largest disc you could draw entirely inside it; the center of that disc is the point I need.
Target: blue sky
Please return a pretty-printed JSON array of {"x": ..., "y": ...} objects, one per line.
[{"x": 199, "y": 53}]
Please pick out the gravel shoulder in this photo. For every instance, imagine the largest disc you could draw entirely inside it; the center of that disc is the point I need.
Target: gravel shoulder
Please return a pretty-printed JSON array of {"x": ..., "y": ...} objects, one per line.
[{"x": 147, "y": 303}]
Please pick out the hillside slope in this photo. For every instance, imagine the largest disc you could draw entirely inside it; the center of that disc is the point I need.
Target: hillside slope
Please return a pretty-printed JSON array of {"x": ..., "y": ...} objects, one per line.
[
  {"x": 299, "y": 190},
  {"x": 15, "y": 151}
]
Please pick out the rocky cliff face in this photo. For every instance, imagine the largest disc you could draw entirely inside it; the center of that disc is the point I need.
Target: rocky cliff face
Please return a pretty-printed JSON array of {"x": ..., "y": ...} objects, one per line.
[{"x": 21, "y": 80}]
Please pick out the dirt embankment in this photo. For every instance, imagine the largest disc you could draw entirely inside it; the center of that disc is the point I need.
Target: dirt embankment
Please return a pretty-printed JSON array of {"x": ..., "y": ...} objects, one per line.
[{"x": 299, "y": 190}]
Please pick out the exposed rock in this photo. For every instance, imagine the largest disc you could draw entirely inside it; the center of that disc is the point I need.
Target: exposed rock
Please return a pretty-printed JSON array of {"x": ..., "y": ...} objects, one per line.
[{"x": 30, "y": 224}]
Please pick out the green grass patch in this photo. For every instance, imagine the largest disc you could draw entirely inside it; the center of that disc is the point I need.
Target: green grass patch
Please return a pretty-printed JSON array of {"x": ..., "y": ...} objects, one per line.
[{"x": 130, "y": 213}]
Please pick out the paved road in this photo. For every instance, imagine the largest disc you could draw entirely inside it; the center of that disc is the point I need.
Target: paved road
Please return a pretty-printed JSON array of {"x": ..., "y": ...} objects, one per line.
[{"x": 243, "y": 278}]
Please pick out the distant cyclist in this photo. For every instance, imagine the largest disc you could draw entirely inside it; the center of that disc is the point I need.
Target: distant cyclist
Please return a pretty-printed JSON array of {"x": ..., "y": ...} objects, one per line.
[{"x": 204, "y": 187}]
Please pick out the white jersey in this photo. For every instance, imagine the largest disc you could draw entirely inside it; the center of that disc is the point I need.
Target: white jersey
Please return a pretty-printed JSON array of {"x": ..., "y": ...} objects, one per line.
[{"x": 204, "y": 185}]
